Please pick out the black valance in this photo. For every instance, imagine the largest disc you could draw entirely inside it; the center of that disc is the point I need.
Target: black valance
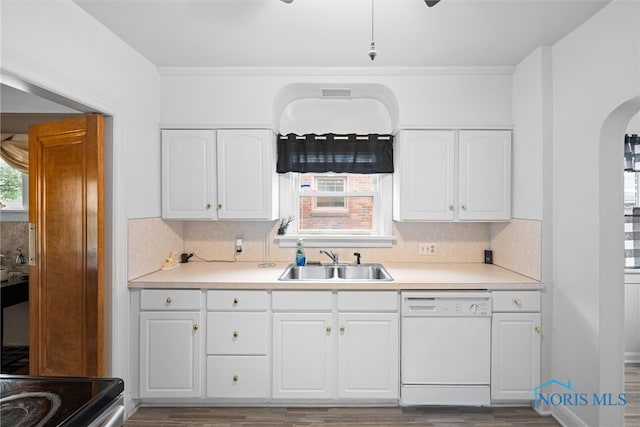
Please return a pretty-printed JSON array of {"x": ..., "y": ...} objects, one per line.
[
  {"x": 349, "y": 153},
  {"x": 632, "y": 153}
]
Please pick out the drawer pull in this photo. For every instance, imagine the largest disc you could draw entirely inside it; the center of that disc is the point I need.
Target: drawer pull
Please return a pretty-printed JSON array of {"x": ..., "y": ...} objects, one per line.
[
  {"x": 235, "y": 378},
  {"x": 517, "y": 302},
  {"x": 329, "y": 329},
  {"x": 538, "y": 329},
  {"x": 196, "y": 327},
  {"x": 169, "y": 300},
  {"x": 235, "y": 334},
  {"x": 236, "y": 301},
  {"x": 342, "y": 329}
]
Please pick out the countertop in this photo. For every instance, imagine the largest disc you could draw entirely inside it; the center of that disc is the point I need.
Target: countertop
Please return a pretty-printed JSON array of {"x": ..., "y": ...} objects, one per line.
[{"x": 407, "y": 276}]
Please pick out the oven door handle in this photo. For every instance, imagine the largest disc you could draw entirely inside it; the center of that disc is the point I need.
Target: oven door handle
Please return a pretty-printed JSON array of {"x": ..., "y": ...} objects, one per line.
[{"x": 114, "y": 417}]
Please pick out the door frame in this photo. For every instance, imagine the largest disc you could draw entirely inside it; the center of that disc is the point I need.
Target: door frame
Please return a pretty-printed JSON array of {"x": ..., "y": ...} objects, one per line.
[{"x": 116, "y": 297}]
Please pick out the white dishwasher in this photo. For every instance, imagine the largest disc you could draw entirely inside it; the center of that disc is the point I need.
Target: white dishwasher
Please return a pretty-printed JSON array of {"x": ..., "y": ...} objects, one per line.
[{"x": 446, "y": 348}]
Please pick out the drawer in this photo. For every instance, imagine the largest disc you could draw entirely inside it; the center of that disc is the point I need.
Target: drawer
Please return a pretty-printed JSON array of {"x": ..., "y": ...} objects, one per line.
[
  {"x": 237, "y": 333},
  {"x": 367, "y": 301},
  {"x": 170, "y": 299},
  {"x": 302, "y": 301},
  {"x": 514, "y": 301},
  {"x": 237, "y": 376},
  {"x": 237, "y": 300}
]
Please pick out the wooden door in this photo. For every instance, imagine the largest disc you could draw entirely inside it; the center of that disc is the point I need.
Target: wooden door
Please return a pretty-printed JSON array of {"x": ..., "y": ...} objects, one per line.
[{"x": 66, "y": 332}]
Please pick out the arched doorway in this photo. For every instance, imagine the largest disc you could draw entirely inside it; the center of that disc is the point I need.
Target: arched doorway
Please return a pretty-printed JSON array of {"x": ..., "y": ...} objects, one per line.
[{"x": 610, "y": 237}]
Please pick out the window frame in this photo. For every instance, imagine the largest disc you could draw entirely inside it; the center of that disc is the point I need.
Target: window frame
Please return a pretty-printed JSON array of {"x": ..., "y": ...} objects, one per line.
[{"x": 381, "y": 237}]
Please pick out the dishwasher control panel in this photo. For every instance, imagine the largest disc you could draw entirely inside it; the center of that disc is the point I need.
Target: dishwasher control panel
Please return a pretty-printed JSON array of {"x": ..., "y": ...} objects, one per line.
[{"x": 445, "y": 304}]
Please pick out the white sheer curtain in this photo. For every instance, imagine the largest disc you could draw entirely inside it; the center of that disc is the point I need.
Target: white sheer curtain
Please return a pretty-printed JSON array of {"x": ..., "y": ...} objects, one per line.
[{"x": 14, "y": 150}]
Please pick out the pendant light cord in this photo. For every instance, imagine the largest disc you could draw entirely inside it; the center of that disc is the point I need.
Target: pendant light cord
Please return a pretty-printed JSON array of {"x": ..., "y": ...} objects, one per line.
[{"x": 372, "y": 20}]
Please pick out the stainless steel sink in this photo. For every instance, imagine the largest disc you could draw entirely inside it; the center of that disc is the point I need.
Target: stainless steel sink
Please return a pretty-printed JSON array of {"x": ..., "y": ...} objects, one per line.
[
  {"x": 363, "y": 272},
  {"x": 337, "y": 272}
]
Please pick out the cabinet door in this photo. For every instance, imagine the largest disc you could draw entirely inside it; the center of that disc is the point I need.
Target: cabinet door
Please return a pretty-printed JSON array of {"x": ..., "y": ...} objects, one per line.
[
  {"x": 188, "y": 174},
  {"x": 485, "y": 175},
  {"x": 368, "y": 355},
  {"x": 170, "y": 347},
  {"x": 515, "y": 355},
  {"x": 302, "y": 355},
  {"x": 247, "y": 180},
  {"x": 425, "y": 178}
]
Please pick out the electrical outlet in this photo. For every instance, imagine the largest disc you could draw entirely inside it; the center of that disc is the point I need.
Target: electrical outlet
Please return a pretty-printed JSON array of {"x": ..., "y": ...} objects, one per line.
[{"x": 427, "y": 249}]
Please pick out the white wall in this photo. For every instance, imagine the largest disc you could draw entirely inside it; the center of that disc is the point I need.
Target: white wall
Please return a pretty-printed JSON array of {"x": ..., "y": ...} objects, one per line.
[
  {"x": 56, "y": 46},
  {"x": 595, "y": 70},
  {"x": 245, "y": 98}
]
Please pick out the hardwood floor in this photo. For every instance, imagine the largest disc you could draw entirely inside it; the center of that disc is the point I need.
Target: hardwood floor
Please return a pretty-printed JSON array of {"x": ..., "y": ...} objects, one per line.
[
  {"x": 412, "y": 416},
  {"x": 632, "y": 388}
]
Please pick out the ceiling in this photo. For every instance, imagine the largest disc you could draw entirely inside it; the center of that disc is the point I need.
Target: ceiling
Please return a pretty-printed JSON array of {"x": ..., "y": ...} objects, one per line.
[{"x": 337, "y": 33}]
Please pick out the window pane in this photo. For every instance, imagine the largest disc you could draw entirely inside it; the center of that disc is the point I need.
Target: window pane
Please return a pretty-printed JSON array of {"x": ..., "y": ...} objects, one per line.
[
  {"x": 330, "y": 184},
  {"x": 630, "y": 190},
  {"x": 357, "y": 217},
  {"x": 330, "y": 202},
  {"x": 10, "y": 186}
]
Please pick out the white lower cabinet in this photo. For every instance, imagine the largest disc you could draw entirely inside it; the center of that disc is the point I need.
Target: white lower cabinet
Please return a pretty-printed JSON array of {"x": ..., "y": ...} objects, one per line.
[
  {"x": 515, "y": 345},
  {"x": 368, "y": 355},
  {"x": 237, "y": 345},
  {"x": 361, "y": 334},
  {"x": 238, "y": 377},
  {"x": 170, "y": 344}
]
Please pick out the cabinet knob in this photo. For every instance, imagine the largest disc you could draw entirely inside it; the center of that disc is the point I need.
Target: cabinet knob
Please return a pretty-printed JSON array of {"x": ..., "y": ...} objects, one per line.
[
  {"x": 329, "y": 328},
  {"x": 208, "y": 205},
  {"x": 517, "y": 302},
  {"x": 451, "y": 207},
  {"x": 236, "y": 301},
  {"x": 235, "y": 334},
  {"x": 220, "y": 206},
  {"x": 235, "y": 378},
  {"x": 538, "y": 329},
  {"x": 342, "y": 329},
  {"x": 196, "y": 327},
  {"x": 464, "y": 207},
  {"x": 169, "y": 300}
]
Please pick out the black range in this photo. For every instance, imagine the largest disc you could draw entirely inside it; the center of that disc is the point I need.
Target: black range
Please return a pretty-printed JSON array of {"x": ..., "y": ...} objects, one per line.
[{"x": 59, "y": 401}]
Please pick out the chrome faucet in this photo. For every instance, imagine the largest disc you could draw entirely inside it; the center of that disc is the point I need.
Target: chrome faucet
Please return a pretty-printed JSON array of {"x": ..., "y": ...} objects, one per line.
[{"x": 332, "y": 255}]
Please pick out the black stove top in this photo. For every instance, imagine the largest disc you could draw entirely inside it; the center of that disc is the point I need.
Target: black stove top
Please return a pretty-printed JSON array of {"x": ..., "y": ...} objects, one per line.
[{"x": 54, "y": 401}]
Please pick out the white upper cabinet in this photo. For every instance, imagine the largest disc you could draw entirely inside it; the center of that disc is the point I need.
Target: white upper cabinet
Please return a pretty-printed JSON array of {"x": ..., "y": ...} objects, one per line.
[
  {"x": 485, "y": 175},
  {"x": 247, "y": 179},
  {"x": 453, "y": 175},
  {"x": 225, "y": 174},
  {"x": 188, "y": 174},
  {"x": 425, "y": 176}
]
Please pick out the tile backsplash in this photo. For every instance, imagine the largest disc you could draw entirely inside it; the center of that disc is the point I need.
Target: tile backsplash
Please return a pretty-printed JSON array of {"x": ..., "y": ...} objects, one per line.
[
  {"x": 516, "y": 245},
  {"x": 14, "y": 235}
]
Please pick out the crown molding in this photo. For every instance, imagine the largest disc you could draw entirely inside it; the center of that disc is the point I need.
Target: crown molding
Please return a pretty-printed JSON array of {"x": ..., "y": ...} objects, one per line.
[{"x": 334, "y": 71}]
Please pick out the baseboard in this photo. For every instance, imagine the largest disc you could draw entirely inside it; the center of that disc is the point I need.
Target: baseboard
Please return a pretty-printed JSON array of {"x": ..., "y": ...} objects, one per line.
[
  {"x": 566, "y": 417},
  {"x": 631, "y": 357}
]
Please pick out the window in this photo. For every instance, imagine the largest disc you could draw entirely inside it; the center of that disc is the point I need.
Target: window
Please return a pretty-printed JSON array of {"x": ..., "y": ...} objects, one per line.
[
  {"x": 339, "y": 187},
  {"x": 338, "y": 207},
  {"x": 328, "y": 184},
  {"x": 14, "y": 187}
]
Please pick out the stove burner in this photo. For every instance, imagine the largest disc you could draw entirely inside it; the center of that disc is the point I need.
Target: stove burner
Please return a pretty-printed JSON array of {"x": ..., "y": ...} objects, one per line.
[{"x": 31, "y": 408}]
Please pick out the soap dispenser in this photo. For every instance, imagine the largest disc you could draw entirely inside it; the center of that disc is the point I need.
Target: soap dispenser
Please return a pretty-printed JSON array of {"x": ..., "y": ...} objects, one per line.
[{"x": 301, "y": 259}]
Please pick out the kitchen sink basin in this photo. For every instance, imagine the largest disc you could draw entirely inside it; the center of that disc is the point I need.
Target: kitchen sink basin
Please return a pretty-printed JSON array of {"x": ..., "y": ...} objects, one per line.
[{"x": 337, "y": 272}]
